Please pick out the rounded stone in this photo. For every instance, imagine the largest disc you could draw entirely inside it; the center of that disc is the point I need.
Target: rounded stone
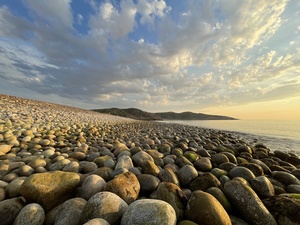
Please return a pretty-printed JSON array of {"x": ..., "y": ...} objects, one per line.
[
  {"x": 203, "y": 164},
  {"x": 243, "y": 172},
  {"x": 72, "y": 166},
  {"x": 92, "y": 185},
  {"x": 87, "y": 167},
  {"x": 4, "y": 149},
  {"x": 205, "y": 181},
  {"x": 49, "y": 189},
  {"x": 149, "y": 167},
  {"x": 186, "y": 175},
  {"x": 31, "y": 214},
  {"x": 105, "y": 161},
  {"x": 219, "y": 158},
  {"x": 140, "y": 157},
  {"x": 293, "y": 188},
  {"x": 203, "y": 208},
  {"x": 173, "y": 195},
  {"x": 148, "y": 183},
  {"x": 13, "y": 188},
  {"x": 97, "y": 221},
  {"x": 285, "y": 177},
  {"x": 168, "y": 175},
  {"x": 220, "y": 196},
  {"x": 37, "y": 163},
  {"x": 243, "y": 197},
  {"x": 105, "y": 205},
  {"x": 263, "y": 187},
  {"x": 149, "y": 211},
  {"x": 70, "y": 212},
  {"x": 2, "y": 194},
  {"x": 25, "y": 170},
  {"x": 124, "y": 162},
  {"x": 9, "y": 209},
  {"x": 125, "y": 185}
]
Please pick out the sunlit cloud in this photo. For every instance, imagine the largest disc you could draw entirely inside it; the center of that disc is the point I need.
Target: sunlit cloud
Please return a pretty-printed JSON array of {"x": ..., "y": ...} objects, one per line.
[{"x": 152, "y": 54}]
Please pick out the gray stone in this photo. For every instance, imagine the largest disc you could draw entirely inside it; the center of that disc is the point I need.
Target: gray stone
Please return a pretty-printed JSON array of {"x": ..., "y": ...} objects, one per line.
[
  {"x": 70, "y": 212},
  {"x": 87, "y": 167},
  {"x": 285, "y": 178},
  {"x": 263, "y": 187},
  {"x": 124, "y": 162},
  {"x": 92, "y": 185},
  {"x": 105, "y": 205},
  {"x": 186, "y": 175},
  {"x": 168, "y": 175},
  {"x": 293, "y": 188},
  {"x": 243, "y": 198},
  {"x": 13, "y": 188},
  {"x": 149, "y": 211},
  {"x": 148, "y": 183},
  {"x": 9, "y": 209},
  {"x": 243, "y": 172},
  {"x": 31, "y": 214},
  {"x": 72, "y": 166},
  {"x": 140, "y": 157}
]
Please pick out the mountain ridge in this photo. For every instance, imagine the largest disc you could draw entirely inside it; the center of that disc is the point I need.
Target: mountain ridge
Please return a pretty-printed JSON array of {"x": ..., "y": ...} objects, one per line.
[{"x": 139, "y": 114}]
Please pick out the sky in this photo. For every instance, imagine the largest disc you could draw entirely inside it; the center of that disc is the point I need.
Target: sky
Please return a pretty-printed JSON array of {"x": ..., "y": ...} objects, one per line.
[{"x": 225, "y": 57}]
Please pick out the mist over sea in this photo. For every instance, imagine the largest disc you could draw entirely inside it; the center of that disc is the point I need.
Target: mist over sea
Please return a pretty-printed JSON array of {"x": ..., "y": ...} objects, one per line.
[{"x": 281, "y": 135}]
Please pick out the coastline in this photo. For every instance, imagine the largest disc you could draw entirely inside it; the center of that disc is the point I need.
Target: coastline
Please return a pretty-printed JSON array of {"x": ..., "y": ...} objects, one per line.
[{"x": 171, "y": 163}]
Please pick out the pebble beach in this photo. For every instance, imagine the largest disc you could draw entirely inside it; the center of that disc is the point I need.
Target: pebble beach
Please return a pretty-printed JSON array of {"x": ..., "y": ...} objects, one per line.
[{"x": 66, "y": 166}]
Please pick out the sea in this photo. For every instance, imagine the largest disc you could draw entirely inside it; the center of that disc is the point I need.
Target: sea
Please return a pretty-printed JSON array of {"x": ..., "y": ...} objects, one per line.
[{"x": 283, "y": 135}]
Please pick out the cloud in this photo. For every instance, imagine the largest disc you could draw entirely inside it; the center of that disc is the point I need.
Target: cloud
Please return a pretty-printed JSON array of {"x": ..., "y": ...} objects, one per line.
[
  {"x": 215, "y": 53},
  {"x": 55, "y": 12},
  {"x": 149, "y": 10}
]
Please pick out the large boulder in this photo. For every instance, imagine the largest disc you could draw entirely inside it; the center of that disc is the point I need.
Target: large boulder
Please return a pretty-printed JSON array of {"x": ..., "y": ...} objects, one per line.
[
  {"x": 246, "y": 201},
  {"x": 125, "y": 185},
  {"x": 49, "y": 189},
  {"x": 149, "y": 211},
  {"x": 204, "y": 209}
]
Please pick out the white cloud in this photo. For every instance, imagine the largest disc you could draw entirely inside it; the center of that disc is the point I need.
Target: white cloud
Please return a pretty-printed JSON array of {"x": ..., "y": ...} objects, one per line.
[
  {"x": 112, "y": 23},
  {"x": 55, "y": 12},
  {"x": 150, "y": 9}
]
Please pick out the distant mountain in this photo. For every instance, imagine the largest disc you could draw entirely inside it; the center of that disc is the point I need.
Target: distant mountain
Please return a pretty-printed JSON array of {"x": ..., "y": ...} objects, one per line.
[
  {"x": 191, "y": 116},
  {"x": 132, "y": 113},
  {"x": 142, "y": 115}
]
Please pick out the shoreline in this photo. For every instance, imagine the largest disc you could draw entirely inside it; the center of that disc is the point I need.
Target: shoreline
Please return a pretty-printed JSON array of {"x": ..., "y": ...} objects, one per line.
[{"x": 102, "y": 161}]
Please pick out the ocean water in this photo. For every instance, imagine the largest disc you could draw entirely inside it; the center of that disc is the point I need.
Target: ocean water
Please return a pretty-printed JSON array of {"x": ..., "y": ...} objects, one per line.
[{"x": 281, "y": 135}]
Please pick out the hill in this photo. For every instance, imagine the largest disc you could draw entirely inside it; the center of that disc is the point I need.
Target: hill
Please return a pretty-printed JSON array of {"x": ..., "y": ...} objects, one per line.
[
  {"x": 191, "y": 116},
  {"x": 132, "y": 113},
  {"x": 142, "y": 115}
]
